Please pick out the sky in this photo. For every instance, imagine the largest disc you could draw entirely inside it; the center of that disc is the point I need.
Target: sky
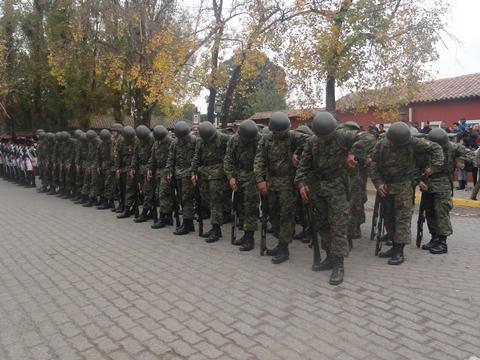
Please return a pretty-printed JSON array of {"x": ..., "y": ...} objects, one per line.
[{"x": 459, "y": 52}]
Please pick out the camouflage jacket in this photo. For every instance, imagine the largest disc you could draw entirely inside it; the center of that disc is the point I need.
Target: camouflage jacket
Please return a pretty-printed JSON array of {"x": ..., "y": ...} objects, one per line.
[
  {"x": 81, "y": 153},
  {"x": 159, "y": 155},
  {"x": 273, "y": 159},
  {"x": 141, "y": 155},
  {"x": 123, "y": 158},
  {"x": 105, "y": 155},
  {"x": 68, "y": 151},
  {"x": 396, "y": 165},
  {"x": 239, "y": 158},
  {"x": 209, "y": 155},
  {"x": 92, "y": 155},
  {"x": 180, "y": 154}
]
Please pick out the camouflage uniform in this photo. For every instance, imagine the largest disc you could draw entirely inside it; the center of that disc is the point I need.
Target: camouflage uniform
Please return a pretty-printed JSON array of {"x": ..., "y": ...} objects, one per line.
[
  {"x": 111, "y": 181},
  {"x": 70, "y": 165},
  {"x": 105, "y": 166},
  {"x": 89, "y": 167},
  {"x": 207, "y": 163},
  {"x": 179, "y": 167},
  {"x": 141, "y": 154},
  {"x": 238, "y": 164},
  {"x": 395, "y": 167},
  {"x": 81, "y": 153},
  {"x": 273, "y": 164},
  {"x": 157, "y": 164},
  {"x": 96, "y": 179},
  {"x": 123, "y": 161},
  {"x": 323, "y": 168},
  {"x": 65, "y": 165}
]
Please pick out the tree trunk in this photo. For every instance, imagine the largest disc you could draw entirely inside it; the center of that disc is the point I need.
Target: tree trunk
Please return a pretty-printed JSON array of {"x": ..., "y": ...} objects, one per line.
[
  {"x": 212, "y": 96},
  {"x": 232, "y": 85},
  {"x": 330, "y": 104}
]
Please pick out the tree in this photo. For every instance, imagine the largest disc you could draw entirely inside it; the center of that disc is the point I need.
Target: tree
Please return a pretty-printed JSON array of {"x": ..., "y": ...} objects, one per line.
[{"x": 360, "y": 45}]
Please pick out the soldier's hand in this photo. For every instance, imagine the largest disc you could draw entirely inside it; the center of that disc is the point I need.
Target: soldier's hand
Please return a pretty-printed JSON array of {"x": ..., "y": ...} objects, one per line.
[
  {"x": 262, "y": 187},
  {"x": 194, "y": 180},
  {"x": 233, "y": 184},
  {"x": 304, "y": 193},
  {"x": 428, "y": 172},
  {"x": 382, "y": 190},
  {"x": 117, "y": 173},
  {"x": 149, "y": 174},
  {"x": 131, "y": 173},
  {"x": 78, "y": 168},
  {"x": 352, "y": 161},
  {"x": 295, "y": 160},
  {"x": 423, "y": 186},
  {"x": 98, "y": 170},
  {"x": 368, "y": 162},
  {"x": 87, "y": 171},
  {"x": 169, "y": 178}
]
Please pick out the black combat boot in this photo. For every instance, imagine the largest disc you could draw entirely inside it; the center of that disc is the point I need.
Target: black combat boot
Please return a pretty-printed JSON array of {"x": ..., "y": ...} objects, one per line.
[
  {"x": 120, "y": 208},
  {"x": 326, "y": 264},
  {"x": 249, "y": 242},
  {"x": 206, "y": 234},
  {"x": 52, "y": 191},
  {"x": 99, "y": 201},
  {"x": 125, "y": 214},
  {"x": 89, "y": 203},
  {"x": 77, "y": 196},
  {"x": 282, "y": 254},
  {"x": 42, "y": 190},
  {"x": 239, "y": 241},
  {"x": 336, "y": 278},
  {"x": 440, "y": 246},
  {"x": 68, "y": 195},
  {"x": 163, "y": 220},
  {"x": 429, "y": 245},
  {"x": 143, "y": 216},
  {"x": 186, "y": 228},
  {"x": 60, "y": 193},
  {"x": 215, "y": 234},
  {"x": 272, "y": 252},
  {"x": 83, "y": 200},
  {"x": 397, "y": 254},
  {"x": 104, "y": 205},
  {"x": 386, "y": 254}
]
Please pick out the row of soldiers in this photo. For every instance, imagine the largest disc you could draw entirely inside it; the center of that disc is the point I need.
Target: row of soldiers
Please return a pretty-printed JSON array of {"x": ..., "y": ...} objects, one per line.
[
  {"x": 18, "y": 159},
  {"x": 326, "y": 166}
]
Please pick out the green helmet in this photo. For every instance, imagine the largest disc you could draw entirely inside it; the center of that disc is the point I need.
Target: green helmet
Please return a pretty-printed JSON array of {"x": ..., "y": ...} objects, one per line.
[
  {"x": 50, "y": 136},
  {"x": 39, "y": 131},
  {"x": 58, "y": 136},
  {"x": 116, "y": 127},
  {"x": 248, "y": 130},
  {"x": 207, "y": 130},
  {"x": 91, "y": 135},
  {"x": 142, "y": 132},
  {"x": 279, "y": 122},
  {"x": 160, "y": 132},
  {"x": 439, "y": 136},
  {"x": 105, "y": 135},
  {"x": 41, "y": 135},
  {"x": 128, "y": 133},
  {"x": 77, "y": 133},
  {"x": 304, "y": 129},
  {"x": 352, "y": 125},
  {"x": 83, "y": 137},
  {"x": 181, "y": 129},
  {"x": 65, "y": 135},
  {"x": 324, "y": 124},
  {"x": 399, "y": 134}
]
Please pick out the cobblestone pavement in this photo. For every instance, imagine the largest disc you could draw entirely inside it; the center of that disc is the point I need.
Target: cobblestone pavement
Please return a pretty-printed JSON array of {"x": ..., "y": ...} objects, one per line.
[{"x": 77, "y": 283}]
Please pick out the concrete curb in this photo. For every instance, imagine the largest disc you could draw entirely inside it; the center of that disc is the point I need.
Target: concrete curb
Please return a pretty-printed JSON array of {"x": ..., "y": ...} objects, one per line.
[{"x": 459, "y": 202}]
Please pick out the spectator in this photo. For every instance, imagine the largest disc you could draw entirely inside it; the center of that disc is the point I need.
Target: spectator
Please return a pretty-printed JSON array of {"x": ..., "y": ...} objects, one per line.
[
  {"x": 463, "y": 126},
  {"x": 426, "y": 129},
  {"x": 476, "y": 188},
  {"x": 455, "y": 128},
  {"x": 381, "y": 128},
  {"x": 446, "y": 128}
]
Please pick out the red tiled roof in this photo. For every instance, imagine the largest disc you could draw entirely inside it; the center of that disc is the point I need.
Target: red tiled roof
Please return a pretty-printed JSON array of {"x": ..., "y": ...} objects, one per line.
[{"x": 291, "y": 113}]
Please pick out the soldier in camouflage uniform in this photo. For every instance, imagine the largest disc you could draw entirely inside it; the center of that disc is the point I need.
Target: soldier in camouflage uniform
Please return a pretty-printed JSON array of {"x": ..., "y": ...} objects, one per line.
[
  {"x": 157, "y": 169},
  {"x": 392, "y": 172},
  {"x": 92, "y": 172},
  {"x": 123, "y": 161},
  {"x": 238, "y": 166},
  {"x": 111, "y": 179},
  {"x": 437, "y": 191},
  {"x": 322, "y": 178},
  {"x": 179, "y": 167},
  {"x": 81, "y": 153},
  {"x": 105, "y": 170},
  {"x": 71, "y": 164},
  {"x": 42, "y": 150},
  {"x": 54, "y": 161},
  {"x": 48, "y": 160},
  {"x": 207, "y": 167},
  {"x": 66, "y": 175},
  {"x": 274, "y": 171},
  {"x": 141, "y": 155}
]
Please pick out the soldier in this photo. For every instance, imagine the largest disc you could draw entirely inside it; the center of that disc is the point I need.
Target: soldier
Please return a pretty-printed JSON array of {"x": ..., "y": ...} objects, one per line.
[
  {"x": 47, "y": 160},
  {"x": 392, "y": 173},
  {"x": 157, "y": 169},
  {"x": 90, "y": 189},
  {"x": 141, "y": 155},
  {"x": 68, "y": 153},
  {"x": 123, "y": 161},
  {"x": 105, "y": 170},
  {"x": 55, "y": 160},
  {"x": 75, "y": 139},
  {"x": 179, "y": 166},
  {"x": 238, "y": 167},
  {"x": 110, "y": 178},
  {"x": 274, "y": 169},
  {"x": 42, "y": 152},
  {"x": 81, "y": 153},
  {"x": 207, "y": 167},
  {"x": 322, "y": 178},
  {"x": 437, "y": 191}
]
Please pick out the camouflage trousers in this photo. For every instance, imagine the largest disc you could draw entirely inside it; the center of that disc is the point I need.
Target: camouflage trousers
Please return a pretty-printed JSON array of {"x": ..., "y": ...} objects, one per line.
[
  {"x": 398, "y": 210},
  {"x": 131, "y": 190},
  {"x": 358, "y": 198},
  {"x": 109, "y": 183},
  {"x": 213, "y": 195},
  {"x": 185, "y": 188},
  {"x": 437, "y": 213},
  {"x": 148, "y": 190},
  {"x": 331, "y": 210},
  {"x": 87, "y": 181},
  {"x": 248, "y": 202},
  {"x": 163, "y": 192},
  {"x": 122, "y": 187},
  {"x": 281, "y": 209},
  {"x": 96, "y": 183},
  {"x": 79, "y": 174}
]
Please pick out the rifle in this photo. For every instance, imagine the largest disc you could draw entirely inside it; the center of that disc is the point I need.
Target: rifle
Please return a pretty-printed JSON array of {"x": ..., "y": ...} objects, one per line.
[
  {"x": 234, "y": 218},
  {"x": 198, "y": 210},
  {"x": 375, "y": 216},
  {"x": 379, "y": 226},
  {"x": 264, "y": 219},
  {"x": 317, "y": 258},
  {"x": 421, "y": 219},
  {"x": 176, "y": 191},
  {"x": 138, "y": 199}
]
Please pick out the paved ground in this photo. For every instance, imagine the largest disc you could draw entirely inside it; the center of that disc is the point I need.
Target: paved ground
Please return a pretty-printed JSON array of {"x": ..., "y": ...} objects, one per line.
[{"x": 77, "y": 283}]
